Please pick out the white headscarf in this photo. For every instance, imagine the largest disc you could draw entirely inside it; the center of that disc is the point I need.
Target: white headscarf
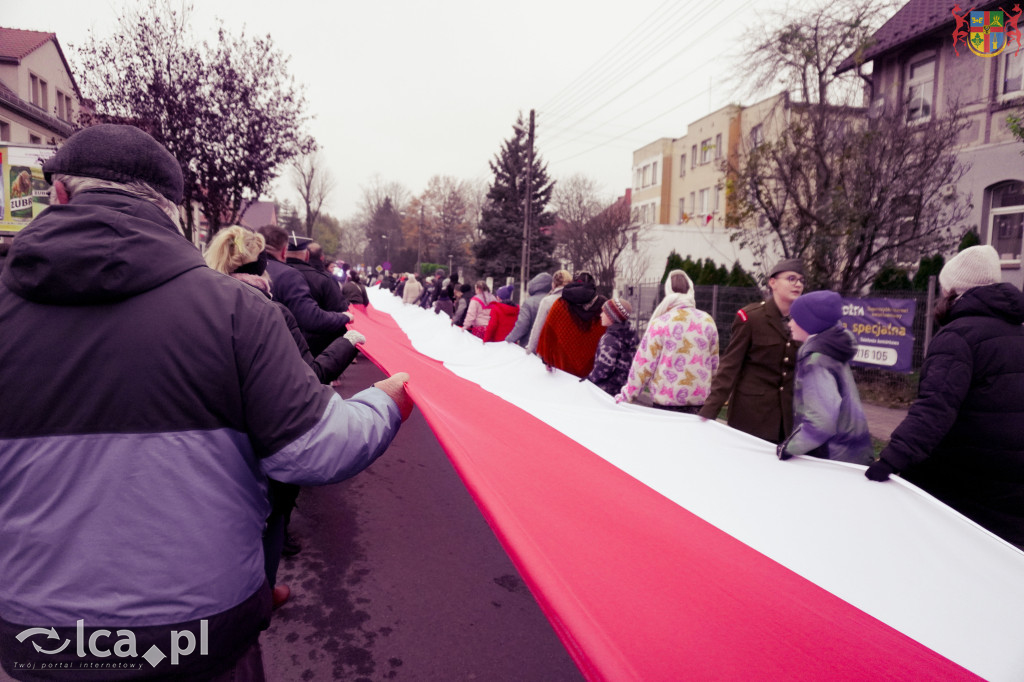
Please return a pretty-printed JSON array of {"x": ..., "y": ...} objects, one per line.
[{"x": 674, "y": 299}]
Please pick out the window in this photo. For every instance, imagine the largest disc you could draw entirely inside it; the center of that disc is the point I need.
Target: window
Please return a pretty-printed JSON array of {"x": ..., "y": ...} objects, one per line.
[
  {"x": 682, "y": 165},
  {"x": 39, "y": 92},
  {"x": 5, "y": 131},
  {"x": 647, "y": 175},
  {"x": 637, "y": 177},
  {"x": 920, "y": 80},
  {"x": 718, "y": 146},
  {"x": 682, "y": 209},
  {"x": 693, "y": 202},
  {"x": 756, "y": 136},
  {"x": 705, "y": 151},
  {"x": 633, "y": 241},
  {"x": 34, "y": 139},
  {"x": 1013, "y": 70},
  {"x": 705, "y": 199},
  {"x": 693, "y": 156},
  {"x": 718, "y": 199},
  {"x": 1007, "y": 219},
  {"x": 654, "y": 173},
  {"x": 64, "y": 111}
]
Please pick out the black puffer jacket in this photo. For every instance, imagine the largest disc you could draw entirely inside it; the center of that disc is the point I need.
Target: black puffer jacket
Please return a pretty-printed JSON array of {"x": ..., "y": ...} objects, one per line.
[{"x": 963, "y": 439}]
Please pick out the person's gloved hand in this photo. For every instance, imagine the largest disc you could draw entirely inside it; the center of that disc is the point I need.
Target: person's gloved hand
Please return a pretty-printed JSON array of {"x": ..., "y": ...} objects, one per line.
[
  {"x": 394, "y": 386},
  {"x": 354, "y": 337},
  {"x": 780, "y": 449},
  {"x": 880, "y": 471}
]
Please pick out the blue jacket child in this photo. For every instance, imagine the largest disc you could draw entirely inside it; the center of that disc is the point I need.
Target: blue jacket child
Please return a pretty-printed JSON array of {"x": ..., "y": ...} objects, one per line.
[{"x": 828, "y": 419}]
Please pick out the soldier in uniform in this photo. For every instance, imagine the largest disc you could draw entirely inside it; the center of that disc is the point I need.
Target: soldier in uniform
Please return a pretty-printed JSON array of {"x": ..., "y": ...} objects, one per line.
[{"x": 756, "y": 371}]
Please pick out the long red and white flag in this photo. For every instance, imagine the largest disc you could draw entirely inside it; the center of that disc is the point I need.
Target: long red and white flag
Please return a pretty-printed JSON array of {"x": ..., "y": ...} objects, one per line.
[{"x": 664, "y": 547}]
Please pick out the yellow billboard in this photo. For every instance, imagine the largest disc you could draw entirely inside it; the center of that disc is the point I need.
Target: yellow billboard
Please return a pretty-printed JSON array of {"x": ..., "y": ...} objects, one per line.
[{"x": 24, "y": 193}]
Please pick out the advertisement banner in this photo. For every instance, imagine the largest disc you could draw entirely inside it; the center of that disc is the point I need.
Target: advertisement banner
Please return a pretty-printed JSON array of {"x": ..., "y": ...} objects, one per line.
[
  {"x": 24, "y": 193},
  {"x": 884, "y": 328}
]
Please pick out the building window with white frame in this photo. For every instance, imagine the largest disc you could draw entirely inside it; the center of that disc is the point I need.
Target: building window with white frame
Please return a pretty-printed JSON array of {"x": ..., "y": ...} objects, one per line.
[
  {"x": 682, "y": 209},
  {"x": 718, "y": 146},
  {"x": 1007, "y": 219},
  {"x": 647, "y": 175},
  {"x": 920, "y": 86},
  {"x": 705, "y": 151},
  {"x": 705, "y": 201},
  {"x": 1013, "y": 74},
  {"x": 693, "y": 202},
  {"x": 693, "y": 156},
  {"x": 654, "y": 173},
  {"x": 682, "y": 165}
]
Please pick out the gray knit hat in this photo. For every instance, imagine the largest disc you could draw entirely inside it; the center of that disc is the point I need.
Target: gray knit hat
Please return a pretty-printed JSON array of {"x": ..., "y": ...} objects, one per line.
[
  {"x": 120, "y": 153},
  {"x": 975, "y": 266}
]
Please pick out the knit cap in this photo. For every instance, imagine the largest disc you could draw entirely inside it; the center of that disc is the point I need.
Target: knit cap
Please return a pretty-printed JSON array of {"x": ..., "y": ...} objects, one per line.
[
  {"x": 817, "y": 311},
  {"x": 119, "y": 153},
  {"x": 505, "y": 293},
  {"x": 617, "y": 309},
  {"x": 975, "y": 266}
]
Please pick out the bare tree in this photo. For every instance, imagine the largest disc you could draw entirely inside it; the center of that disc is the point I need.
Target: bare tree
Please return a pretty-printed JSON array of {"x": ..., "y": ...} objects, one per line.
[
  {"x": 352, "y": 240},
  {"x": 608, "y": 234},
  {"x": 437, "y": 221},
  {"x": 377, "y": 191},
  {"x": 229, "y": 111},
  {"x": 314, "y": 183},
  {"x": 829, "y": 185},
  {"x": 576, "y": 204}
]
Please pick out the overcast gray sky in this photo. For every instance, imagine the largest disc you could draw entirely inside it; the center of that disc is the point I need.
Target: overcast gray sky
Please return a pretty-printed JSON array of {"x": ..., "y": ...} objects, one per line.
[{"x": 408, "y": 89}]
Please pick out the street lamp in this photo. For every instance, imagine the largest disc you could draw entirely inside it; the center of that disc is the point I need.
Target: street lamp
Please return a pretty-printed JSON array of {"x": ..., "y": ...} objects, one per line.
[{"x": 387, "y": 250}]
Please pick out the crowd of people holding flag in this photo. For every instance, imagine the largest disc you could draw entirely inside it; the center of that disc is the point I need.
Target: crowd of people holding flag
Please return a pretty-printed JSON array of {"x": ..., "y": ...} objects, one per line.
[{"x": 786, "y": 376}]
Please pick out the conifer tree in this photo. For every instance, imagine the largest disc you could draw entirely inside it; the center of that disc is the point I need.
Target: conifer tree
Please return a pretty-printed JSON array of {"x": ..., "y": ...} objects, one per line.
[{"x": 498, "y": 252}]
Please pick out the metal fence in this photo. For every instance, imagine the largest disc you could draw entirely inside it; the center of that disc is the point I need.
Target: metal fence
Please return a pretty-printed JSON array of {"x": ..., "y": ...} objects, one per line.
[{"x": 876, "y": 385}]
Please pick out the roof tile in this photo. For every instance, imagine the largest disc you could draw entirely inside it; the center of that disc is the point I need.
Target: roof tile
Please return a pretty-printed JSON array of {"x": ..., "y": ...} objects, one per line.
[
  {"x": 16, "y": 43},
  {"x": 915, "y": 19}
]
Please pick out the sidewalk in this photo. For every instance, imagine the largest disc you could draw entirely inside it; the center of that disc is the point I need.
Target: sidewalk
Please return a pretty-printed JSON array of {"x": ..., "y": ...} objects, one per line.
[{"x": 883, "y": 420}]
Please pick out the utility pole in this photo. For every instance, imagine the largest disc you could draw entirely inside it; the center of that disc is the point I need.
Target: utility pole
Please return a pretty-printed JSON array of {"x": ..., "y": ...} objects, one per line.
[
  {"x": 419, "y": 245},
  {"x": 524, "y": 269}
]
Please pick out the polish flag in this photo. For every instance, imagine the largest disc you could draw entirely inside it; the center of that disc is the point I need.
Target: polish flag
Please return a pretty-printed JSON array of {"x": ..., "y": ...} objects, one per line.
[{"x": 664, "y": 547}]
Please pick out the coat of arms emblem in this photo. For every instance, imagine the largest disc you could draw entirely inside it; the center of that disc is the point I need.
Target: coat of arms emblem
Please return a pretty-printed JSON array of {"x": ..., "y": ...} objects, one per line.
[{"x": 987, "y": 33}]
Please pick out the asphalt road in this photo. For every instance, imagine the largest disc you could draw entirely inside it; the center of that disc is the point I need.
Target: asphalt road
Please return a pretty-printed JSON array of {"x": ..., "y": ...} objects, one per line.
[{"x": 400, "y": 578}]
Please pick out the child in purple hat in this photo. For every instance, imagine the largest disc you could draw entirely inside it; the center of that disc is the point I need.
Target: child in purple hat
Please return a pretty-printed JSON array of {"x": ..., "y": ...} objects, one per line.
[{"x": 828, "y": 416}]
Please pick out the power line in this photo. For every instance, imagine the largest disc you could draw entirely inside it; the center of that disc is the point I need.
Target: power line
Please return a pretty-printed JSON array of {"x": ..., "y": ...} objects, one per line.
[
  {"x": 624, "y": 68},
  {"x": 600, "y": 61}
]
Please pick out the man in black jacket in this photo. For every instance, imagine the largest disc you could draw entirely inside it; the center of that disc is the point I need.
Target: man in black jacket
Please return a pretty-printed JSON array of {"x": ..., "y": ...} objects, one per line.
[
  {"x": 306, "y": 292},
  {"x": 150, "y": 397}
]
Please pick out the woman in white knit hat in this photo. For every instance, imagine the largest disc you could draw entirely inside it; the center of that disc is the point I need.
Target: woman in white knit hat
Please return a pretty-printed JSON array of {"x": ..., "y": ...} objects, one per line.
[{"x": 963, "y": 438}]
